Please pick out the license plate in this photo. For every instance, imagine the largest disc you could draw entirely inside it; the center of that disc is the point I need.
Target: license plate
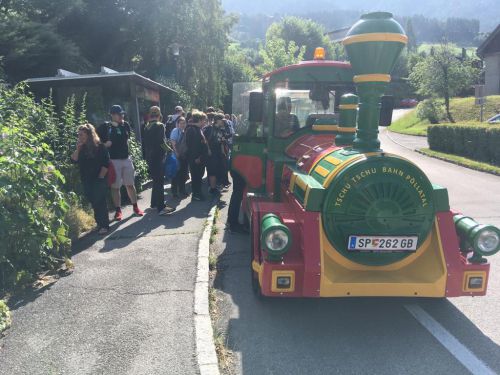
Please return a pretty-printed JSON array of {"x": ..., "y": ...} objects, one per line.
[{"x": 382, "y": 243}]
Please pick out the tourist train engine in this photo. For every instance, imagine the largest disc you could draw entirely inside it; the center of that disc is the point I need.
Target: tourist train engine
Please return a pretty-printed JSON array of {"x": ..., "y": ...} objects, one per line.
[{"x": 331, "y": 214}]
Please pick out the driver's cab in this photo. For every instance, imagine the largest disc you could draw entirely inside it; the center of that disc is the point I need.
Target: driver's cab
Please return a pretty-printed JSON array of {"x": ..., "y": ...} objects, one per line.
[{"x": 292, "y": 102}]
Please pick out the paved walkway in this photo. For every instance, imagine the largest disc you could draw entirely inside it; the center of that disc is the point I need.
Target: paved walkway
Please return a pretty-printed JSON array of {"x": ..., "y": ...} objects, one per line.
[{"x": 126, "y": 309}]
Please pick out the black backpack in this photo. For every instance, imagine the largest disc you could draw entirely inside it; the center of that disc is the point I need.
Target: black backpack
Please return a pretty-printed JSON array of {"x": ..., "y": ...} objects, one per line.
[{"x": 182, "y": 148}]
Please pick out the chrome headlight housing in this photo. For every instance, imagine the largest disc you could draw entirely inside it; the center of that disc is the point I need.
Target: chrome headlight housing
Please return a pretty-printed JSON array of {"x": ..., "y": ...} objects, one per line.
[
  {"x": 276, "y": 237},
  {"x": 486, "y": 240}
]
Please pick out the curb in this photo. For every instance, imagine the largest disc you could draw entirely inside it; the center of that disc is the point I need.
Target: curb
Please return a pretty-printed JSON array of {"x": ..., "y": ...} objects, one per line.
[
  {"x": 205, "y": 348},
  {"x": 419, "y": 151}
]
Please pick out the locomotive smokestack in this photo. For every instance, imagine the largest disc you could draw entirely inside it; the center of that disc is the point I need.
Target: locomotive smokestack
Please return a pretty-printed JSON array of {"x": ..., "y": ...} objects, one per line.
[{"x": 373, "y": 45}]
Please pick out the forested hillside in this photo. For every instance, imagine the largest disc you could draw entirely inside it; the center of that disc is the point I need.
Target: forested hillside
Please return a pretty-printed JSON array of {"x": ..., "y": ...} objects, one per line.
[{"x": 486, "y": 11}]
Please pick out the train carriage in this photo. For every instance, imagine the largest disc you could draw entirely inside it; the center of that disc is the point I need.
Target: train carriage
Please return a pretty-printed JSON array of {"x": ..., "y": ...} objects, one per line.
[{"x": 330, "y": 213}]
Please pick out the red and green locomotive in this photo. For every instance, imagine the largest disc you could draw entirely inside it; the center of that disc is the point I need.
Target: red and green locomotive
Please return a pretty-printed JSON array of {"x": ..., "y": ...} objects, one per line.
[{"x": 330, "y": 213}]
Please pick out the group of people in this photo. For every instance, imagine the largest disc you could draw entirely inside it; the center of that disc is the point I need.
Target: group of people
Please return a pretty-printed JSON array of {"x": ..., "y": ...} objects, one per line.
[{"x": 199, "y": 140}]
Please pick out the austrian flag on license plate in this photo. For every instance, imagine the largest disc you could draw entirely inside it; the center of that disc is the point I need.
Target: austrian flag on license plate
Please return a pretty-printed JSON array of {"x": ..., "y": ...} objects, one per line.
[{"x": 382, "y": 243}]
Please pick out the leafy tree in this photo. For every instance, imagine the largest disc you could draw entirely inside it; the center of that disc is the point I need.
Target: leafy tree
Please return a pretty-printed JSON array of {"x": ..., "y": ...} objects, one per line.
[
  {"x": 302, "y": 32},
  {"x": 277, "y": 53},
  {"x": 237, "y": 68},
  {"x": 442, "y": 74}
]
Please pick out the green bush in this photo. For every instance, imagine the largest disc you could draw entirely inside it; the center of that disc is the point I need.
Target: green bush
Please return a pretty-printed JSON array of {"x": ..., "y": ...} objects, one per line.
[
  {"x": 32, "y": 203},
  {"x": 5, "y": 319},
  {"x": 431, "y": 110},
  {"x": 478, "y": 142}
]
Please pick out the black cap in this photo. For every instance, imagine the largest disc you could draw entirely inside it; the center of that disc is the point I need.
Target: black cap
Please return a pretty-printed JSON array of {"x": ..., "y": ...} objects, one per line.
[{"x": 116, "y": 110}]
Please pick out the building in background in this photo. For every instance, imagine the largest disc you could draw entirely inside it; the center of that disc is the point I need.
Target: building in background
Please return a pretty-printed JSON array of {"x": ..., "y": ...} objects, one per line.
[
  {"x": 135, "y": 93},
  {"x": 489, "y": 51}
]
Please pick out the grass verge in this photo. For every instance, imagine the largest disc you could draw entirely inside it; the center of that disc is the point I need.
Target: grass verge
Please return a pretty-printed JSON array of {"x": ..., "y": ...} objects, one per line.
[
  {"x": 460, "y": 160},
  {"x": 463, "y": 111},
  {"x": 410, "y": 124}
]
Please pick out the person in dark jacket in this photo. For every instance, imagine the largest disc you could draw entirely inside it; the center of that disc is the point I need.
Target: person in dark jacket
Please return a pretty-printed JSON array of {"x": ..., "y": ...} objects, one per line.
[
  {"x": 214, "y": 134},
  {"x": 196, "y": 153},
  {"x": 155, "y": 149},
  {"x": 93, "y": 160}
]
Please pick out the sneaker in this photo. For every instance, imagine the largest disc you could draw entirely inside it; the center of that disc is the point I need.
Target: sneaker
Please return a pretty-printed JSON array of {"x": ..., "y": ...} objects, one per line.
[
  {"x": 138, "y": 211},
  {"x": 103, "y": 231},
  {"x": 118, "y": 215},
  {"x": 167, "y": 210}
]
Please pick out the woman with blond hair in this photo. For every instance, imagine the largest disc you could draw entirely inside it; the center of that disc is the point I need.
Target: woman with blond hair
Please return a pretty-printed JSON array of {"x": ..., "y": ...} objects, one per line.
[{"x": 93, "y": 159}]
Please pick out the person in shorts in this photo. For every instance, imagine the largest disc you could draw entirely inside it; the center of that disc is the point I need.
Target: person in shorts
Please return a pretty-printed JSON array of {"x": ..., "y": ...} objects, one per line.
[{"x": 115, "y": 136}]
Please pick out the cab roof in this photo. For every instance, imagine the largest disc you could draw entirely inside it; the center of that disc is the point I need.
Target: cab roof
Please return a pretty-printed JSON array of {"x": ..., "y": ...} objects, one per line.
[{"x": 309, "y": 64}]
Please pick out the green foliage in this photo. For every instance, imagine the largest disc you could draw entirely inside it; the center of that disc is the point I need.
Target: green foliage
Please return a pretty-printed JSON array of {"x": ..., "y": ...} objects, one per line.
[
  {"x": 237, "y": 68},
  {"x": 431, "y": 110},
  {"x": 477, "y": 142},
  {"x": 33, "y": 49},
  {"x": 442, "y": 74},
  {"x": 32, "y": 203},
  {"x": 278, "y": 53},
  {"x": 303, "y": 32},
  {"x": 141, "y": 168},
  {"x": 5, "y": 316}
]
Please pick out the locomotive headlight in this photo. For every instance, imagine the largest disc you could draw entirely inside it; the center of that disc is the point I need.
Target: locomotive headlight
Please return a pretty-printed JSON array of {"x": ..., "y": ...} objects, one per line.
[
  {"x": 275, "y": 236},
  {"x": 277, "y": 240},
  {"x": 487, "y": 240}
]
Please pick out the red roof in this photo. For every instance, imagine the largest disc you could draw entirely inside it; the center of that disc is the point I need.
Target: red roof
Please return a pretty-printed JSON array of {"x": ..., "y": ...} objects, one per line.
[{"x": 310, "y": 63}]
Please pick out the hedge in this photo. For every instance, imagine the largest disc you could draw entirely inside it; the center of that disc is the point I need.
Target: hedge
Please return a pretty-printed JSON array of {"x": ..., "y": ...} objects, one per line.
[{"x": 477, "y": 142}]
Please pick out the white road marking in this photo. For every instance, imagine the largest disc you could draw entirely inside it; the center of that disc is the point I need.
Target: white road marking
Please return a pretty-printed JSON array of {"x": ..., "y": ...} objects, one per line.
[{"x": 455, "y": 347}]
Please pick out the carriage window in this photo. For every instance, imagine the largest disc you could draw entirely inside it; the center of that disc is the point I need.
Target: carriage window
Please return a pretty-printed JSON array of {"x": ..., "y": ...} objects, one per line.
[{"x": 296, "y": 108}]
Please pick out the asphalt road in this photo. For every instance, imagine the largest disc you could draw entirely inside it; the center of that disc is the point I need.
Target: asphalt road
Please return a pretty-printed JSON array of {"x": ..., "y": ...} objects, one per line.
[
  {"x": 126, "y": 309},
  {"x": 365, "y": 335}
]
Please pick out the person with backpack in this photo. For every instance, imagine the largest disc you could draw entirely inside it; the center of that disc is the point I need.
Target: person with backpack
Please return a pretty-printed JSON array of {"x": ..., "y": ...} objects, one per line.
[
  {"x": 214, "y": 134},
  {"x": 171, "y": 122},
  {"x": 155, "y": 150},
  {"x": 196, "y": 153},
  {"x": 115, "y": 135},
  {"x": 179, "y": 145}
]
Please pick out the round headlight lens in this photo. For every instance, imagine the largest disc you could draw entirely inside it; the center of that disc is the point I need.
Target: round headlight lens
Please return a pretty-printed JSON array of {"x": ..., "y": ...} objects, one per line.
[
  {"x": 488, "y": 242},
  {"x": 277, "y": 240}
]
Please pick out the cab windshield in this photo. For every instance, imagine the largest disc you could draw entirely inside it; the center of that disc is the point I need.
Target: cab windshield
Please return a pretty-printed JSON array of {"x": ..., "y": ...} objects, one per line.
[{"x": 300, "y": 108}]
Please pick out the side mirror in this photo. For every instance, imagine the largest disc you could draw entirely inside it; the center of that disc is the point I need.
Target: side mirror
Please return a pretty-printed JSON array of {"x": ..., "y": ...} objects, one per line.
[
  {"x": 256, "y": 107},
  {"x": 387, "y": 106}
]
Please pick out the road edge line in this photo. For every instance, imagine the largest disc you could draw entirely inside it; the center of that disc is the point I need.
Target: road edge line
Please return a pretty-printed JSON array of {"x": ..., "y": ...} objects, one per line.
[
  {"x": 458, "y": 350},
  {"x": 387, "y": 132},
  {"x": 206, "y": 356}
]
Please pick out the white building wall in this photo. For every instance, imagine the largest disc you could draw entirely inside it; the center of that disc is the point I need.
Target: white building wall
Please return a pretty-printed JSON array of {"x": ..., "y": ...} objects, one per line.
[{"x": 492, "y": 74}]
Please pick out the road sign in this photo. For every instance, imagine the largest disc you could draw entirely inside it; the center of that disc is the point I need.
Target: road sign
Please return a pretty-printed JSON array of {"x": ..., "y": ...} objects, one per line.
[{"x": 480, "y": 98}]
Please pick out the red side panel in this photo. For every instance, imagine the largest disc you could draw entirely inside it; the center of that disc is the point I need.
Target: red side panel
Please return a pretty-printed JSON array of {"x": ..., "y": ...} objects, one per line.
[
  {"x": 456, "y": 263},
  {"x": 251, "y": 169}
]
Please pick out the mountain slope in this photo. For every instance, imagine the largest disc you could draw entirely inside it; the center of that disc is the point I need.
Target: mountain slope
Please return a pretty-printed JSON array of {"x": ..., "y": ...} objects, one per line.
[{"x": 487, "y": 11}]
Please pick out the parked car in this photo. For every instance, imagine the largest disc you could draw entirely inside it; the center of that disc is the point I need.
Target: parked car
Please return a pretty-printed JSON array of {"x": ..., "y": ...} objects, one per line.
[
  {"x": 408, "y": 103},
  {"x": 495, "y": 119}
]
